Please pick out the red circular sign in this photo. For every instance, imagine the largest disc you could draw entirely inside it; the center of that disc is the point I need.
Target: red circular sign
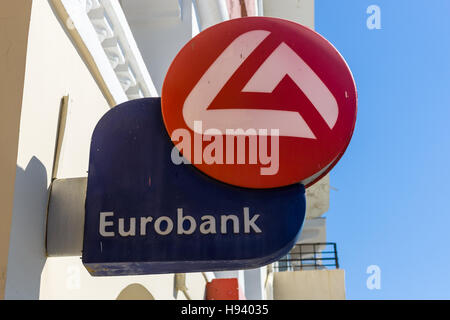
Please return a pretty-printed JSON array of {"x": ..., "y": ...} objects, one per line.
[{"x": 259, "y": 102}]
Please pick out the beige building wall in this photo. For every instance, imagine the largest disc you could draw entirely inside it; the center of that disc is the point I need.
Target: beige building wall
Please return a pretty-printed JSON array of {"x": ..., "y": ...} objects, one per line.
[
  {"x": 300, "y": 11},
  {"x": 135, "y": 291},
  {"x": 14, "y": 21},
  {"x": 66, "y": 278},
  {"x": 309, "y": 285},
  {"x": 54, "y": 68}
]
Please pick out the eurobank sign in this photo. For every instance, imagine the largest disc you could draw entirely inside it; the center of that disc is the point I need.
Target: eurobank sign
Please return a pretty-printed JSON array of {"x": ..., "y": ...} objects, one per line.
[
  {"x": 145, "y": 214},
  {"x": 212, "y": 175}
]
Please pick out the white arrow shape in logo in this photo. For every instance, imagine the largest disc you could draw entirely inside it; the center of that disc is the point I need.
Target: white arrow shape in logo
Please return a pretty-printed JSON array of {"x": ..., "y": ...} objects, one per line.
[{"x": 283, "y": 61}]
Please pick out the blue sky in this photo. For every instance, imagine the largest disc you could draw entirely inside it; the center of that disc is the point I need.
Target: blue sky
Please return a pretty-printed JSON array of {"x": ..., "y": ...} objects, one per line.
[{"x": 391, "y": 206}]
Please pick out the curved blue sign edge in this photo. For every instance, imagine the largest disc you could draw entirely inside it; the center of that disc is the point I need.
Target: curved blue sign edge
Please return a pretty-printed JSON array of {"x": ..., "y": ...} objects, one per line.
[{"x": 119, "y": 119}]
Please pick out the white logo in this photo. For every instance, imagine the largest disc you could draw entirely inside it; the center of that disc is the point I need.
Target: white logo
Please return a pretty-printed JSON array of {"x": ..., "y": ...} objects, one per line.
[{"x": 281, "y": 62}]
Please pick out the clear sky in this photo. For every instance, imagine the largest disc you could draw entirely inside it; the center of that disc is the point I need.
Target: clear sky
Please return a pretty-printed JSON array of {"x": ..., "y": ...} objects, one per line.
[{"x": 391, "y": 207}]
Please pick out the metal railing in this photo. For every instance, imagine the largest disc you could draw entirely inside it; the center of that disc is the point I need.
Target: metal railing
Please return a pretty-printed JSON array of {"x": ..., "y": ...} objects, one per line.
[{"x": 309, "y": 256}]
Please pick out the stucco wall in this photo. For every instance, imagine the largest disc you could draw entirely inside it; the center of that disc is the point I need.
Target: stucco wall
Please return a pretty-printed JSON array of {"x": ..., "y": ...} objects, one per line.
[
  {"x": 14, "y": 22},
  {"x": 309, "y": 285},
  {"x": 153, "y": 23},
  {"x": 53, "y": 69},
  {"x": 301, "y": 11},
  {"x": 66, "y": 278}
]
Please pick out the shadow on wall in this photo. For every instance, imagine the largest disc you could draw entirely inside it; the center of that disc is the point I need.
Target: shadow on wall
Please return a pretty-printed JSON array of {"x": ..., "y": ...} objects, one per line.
[{"x": 27, "y": 240}]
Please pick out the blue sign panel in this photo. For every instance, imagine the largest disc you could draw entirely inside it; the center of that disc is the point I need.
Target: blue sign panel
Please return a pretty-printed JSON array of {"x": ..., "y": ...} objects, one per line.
[{"x": 145, "y": 214}]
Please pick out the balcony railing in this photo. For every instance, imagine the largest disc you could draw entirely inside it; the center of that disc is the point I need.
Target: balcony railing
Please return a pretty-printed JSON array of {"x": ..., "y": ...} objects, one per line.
[{"x": 309, "y": 256}]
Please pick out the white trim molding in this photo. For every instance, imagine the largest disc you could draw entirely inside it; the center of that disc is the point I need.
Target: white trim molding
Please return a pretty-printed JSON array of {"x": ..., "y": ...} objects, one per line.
[{"x": 107, "y": 36}]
